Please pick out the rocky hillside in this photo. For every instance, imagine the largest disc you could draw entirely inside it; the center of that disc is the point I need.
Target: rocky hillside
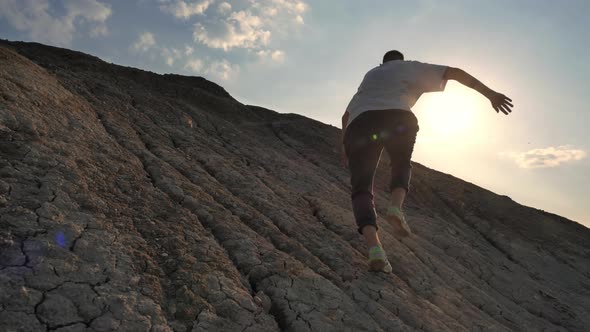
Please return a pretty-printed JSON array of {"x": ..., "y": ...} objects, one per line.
[{"x": 134, "y": 201}]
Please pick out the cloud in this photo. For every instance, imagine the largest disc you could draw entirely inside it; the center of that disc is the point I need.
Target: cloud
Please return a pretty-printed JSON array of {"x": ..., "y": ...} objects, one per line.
[
  {"x": 250, "y": 27},
  {"x": 216, "y": 69},
  {"x": 36, "y": 18},
  {"x": 213, "y": 69},
  {"x": 299, "y": 19},
  {"x": 88, "y": 9},
  {"x": 276, "y": 6},
  {"x": 224, "y": 8},
  {"x": 194, "y": 65},
  {"x": 99, "y": 31},
  {"x": 184, "y": 10},
  {"x": 171, "y": 55},
  {"x": 241, "y": 29},
  {"x": 277, "y": 56},
  {"x": 546, "y": 157},
  {"x": 144, "y": 42},
  {"x": 222, "y": 69}
]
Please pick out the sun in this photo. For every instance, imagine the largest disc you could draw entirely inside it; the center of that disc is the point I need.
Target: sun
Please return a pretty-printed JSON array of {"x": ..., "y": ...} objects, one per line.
[{"x": 453, "y": 112}]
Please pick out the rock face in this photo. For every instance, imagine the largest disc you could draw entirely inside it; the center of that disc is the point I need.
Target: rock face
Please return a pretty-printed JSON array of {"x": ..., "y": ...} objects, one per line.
[{"x": 133, "y": 201}]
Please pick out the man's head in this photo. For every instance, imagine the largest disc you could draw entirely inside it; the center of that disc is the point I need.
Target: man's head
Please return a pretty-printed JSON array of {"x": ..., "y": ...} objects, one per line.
[{"x": 393, "y": 55}]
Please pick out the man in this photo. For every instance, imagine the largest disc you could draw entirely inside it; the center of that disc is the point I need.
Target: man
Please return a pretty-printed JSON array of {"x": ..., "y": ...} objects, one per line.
[{"x": 379, "y": 116}]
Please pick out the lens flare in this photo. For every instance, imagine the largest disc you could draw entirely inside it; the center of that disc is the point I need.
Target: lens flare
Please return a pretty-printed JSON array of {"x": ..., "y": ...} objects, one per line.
[{"x": 60, "y": 239}]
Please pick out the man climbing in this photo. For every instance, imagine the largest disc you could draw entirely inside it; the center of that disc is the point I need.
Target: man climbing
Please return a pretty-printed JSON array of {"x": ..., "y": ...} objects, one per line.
[{"x": 379, "y": 116}]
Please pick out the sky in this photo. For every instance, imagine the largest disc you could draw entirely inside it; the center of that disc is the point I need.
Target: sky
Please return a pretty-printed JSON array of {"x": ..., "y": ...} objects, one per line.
[{"x": 309, "y": 56}]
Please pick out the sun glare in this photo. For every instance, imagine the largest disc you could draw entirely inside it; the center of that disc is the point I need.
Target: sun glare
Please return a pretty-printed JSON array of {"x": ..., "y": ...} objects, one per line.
[
  {"x": 453, "y": 126},
  {"x": 451, "y": 113}
]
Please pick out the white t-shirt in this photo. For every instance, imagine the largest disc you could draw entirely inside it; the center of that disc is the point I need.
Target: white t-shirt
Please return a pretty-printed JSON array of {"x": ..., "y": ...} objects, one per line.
[{"x": 395, "y": 85}]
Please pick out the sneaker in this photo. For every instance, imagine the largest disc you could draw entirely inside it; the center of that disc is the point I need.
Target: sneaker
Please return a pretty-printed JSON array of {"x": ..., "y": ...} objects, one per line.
[
  {"x": 378, "y": 260},
  {"x": 397, "y": 219}
]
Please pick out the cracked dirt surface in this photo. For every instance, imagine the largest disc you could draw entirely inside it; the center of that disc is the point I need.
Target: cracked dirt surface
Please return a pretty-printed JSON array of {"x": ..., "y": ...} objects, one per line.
[{"x": 132, "y": 201}]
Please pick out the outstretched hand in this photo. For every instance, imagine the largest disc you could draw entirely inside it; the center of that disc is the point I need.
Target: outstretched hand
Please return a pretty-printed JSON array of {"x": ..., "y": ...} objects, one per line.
[{"x": 500, "y": 102}]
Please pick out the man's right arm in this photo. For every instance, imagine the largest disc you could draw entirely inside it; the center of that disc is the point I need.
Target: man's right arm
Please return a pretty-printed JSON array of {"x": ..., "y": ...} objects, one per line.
[{"x": 500, "y": 102}]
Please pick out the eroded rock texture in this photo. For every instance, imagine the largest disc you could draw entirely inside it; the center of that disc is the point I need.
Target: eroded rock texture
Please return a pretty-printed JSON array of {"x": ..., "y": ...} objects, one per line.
[{"x": 133, "y": 201}]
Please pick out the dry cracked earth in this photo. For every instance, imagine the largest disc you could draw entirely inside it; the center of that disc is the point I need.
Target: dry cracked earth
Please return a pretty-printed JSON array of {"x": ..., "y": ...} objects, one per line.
[{"x": 132, "y": 201}]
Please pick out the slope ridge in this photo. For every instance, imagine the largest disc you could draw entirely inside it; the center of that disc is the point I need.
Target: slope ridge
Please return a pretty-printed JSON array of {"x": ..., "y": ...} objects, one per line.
[{"x": 131, "y": 200}]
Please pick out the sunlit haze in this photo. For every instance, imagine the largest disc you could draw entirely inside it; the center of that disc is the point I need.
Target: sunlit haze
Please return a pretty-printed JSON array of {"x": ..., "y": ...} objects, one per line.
[{"x": 308, "y": 57}]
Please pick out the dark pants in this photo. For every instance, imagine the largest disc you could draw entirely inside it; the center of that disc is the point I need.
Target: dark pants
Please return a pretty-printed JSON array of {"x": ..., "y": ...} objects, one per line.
[{"x": 365, "y": 139}]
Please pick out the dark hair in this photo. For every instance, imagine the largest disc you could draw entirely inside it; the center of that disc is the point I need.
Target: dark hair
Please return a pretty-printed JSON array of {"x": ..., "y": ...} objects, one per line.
[{"x": 393, "y": 55}]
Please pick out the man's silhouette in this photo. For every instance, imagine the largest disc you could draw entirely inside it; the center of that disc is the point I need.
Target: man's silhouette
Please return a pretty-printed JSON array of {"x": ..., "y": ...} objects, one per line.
[{"x": 379, "y": 117}]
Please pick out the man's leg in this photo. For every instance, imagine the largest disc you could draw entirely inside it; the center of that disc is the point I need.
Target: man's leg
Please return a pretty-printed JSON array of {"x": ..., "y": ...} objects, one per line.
[
  {"x": 363, "y": 158},
  {"x": 362, "y": 165},
  {"x": 398, "y": 195},
  {"x": 400, "y": 149},
  {"x": 364, "y": 151},
  {"x": 400, "y": 154},
  {"x": 371, "y": 236}
]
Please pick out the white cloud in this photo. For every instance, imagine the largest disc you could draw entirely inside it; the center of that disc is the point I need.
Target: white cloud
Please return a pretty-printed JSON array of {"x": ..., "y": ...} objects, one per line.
[
  {"x": 224, "y": 8},
  {"x": 194, "y": 65},
  {"x": 236, "y": 24},
  {"x": 99, "y": 31},
  {"x": 91, "y": 10},
  {"x": 144, "y": 42},
  {"x": 291, "y": 6},
  {"x": 252, "y": 26},
  {"x": 276, "y": 55},
  {"x": 212, "y": 69},
  {"x": 171, "y": 55},
  {"x": 35, "y": 18},
  {"x": 222, "y": 69},
  {"x": 270, "y": 11},
  {"x": 546, "y": 157},
  {"x": 184, "y": 10},
  {"x": 241, "y": 29}
]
